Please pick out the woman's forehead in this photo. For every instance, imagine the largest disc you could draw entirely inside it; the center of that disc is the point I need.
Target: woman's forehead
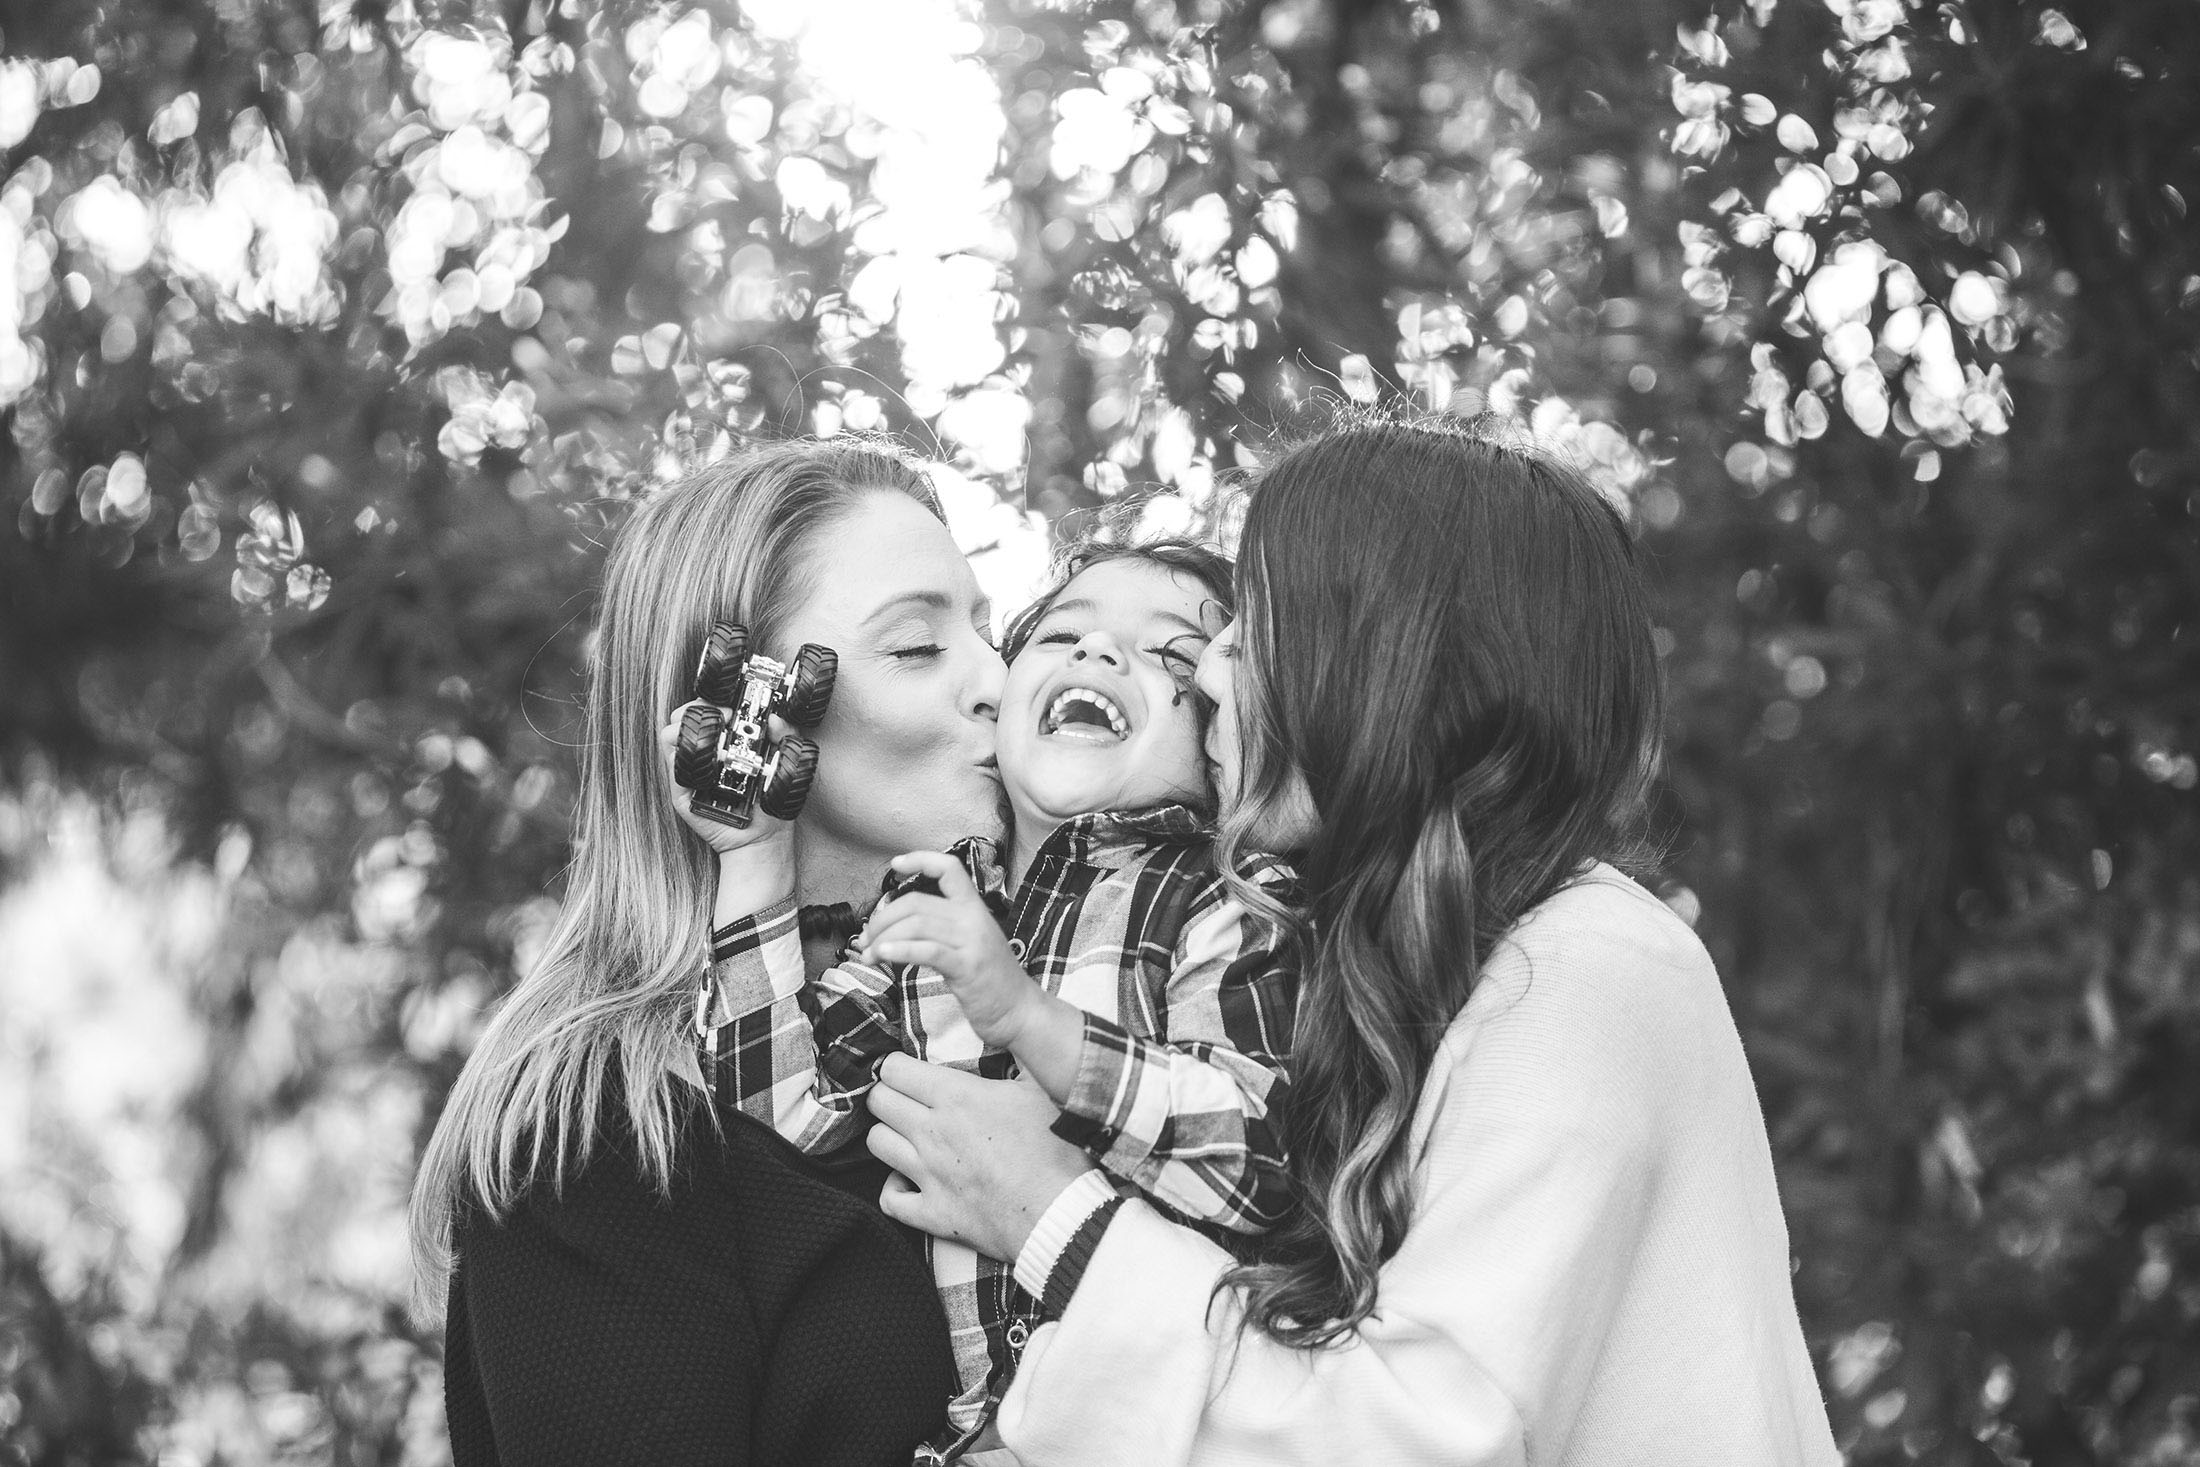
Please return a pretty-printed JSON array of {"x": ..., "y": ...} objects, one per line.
[{"x": 889, "y": 559}]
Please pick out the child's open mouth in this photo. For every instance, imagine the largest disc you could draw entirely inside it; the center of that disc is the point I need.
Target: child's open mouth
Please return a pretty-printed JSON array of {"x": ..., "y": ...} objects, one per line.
[{"x": 1082, "y": 713}]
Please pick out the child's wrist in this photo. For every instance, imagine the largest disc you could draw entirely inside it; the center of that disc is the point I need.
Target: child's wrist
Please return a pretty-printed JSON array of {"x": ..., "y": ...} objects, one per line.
[
  {"x": 1017, "y": 1021},
  {"x": 1049, "y": 1038},
  {"x": 1032, "y": 1013}
]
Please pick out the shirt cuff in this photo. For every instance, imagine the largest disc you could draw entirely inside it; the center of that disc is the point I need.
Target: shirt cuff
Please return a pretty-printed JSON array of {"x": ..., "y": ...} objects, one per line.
[
  {"x": 747, "y": 934},
  {"x": 1057, "y": 1225},
  {"x": 754, "y": 962}
]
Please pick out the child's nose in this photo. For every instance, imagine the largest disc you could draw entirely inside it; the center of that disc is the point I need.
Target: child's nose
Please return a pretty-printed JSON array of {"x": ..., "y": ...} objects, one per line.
[{"x": 1100, "y": 646}]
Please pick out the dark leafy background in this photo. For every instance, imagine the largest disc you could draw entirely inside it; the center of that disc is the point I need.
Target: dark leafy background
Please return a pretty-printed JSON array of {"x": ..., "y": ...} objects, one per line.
[{"x": 334, "y": 337}]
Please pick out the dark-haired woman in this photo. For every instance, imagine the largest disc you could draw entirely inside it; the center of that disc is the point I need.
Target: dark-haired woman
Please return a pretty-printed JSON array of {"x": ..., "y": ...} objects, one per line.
[{"x": 1540, "y": 1224}]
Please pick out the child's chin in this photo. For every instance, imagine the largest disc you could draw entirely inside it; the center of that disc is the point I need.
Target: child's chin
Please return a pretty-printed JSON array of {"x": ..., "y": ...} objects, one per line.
[
  {"x": 1080, "y": 781},
  {"x": 1063, "y": 797}
]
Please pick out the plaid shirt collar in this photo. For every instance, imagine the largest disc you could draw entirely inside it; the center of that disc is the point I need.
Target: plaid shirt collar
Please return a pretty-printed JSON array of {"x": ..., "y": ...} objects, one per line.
[
  {"x": 1108, "y": 840},
  {"x": 1101, "y": 841},
  {"x": 1112, "y": 839}
]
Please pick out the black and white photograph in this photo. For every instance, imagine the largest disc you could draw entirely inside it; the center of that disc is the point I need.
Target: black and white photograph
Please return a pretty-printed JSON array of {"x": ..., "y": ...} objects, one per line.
[{"x": 1099, "y": 733}]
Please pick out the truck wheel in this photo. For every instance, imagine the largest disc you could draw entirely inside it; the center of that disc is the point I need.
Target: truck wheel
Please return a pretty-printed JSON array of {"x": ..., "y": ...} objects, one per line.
[
  {"x": 815, "y": 668},
  {"x": 787, "y": 783},
  {"x": 695, "y": 765},
  {"x": 718, "y": 674}
]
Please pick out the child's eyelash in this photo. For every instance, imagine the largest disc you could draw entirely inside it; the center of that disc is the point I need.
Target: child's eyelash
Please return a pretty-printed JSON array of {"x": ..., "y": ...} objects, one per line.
[
  {"x": 1172, "y": 650},
  {"x": 1182, "y": 668},
  {"x": 1168, "y": 653}
]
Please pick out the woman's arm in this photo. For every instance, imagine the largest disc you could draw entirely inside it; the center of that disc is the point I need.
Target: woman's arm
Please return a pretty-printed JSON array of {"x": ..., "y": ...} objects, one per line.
[
  {"x": 1543, "y": 1142},
  {"x": 753, "y": 1010},
  {"x": 802, "y": 1073}
]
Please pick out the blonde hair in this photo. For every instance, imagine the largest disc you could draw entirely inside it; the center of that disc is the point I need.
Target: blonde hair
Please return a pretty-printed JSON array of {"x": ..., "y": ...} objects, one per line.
[{"x": 615, "y": 986}]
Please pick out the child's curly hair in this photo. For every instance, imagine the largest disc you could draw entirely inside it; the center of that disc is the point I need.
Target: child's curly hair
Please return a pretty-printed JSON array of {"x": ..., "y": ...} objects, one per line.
[{"x": 1205, "y": 564}]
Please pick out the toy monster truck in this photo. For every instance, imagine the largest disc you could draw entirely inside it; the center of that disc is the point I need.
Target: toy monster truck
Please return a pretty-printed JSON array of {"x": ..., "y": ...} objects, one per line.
[{"x": 727, "y": 756}]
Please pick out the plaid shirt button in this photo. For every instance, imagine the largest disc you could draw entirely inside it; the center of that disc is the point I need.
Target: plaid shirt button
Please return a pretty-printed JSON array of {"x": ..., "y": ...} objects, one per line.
[
  {"x": 1016, "y": 948},
  {"x": 1018, "y": 1334}
]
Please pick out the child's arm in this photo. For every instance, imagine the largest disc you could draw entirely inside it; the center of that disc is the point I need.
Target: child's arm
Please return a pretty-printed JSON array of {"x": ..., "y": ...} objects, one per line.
[
  {"x": 804, "y": 1077},
  {"x": 1194, "y": 1119},
  {"x": 954, "y": 933}
]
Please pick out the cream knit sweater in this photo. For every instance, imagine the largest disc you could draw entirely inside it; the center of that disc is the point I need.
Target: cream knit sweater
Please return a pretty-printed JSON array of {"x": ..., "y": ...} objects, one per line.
[{"x": 1596, "y": 1273}]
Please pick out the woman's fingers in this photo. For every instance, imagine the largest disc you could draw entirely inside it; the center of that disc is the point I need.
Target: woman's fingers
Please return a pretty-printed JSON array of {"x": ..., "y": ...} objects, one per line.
[
  {"x": 891, "y": 1147},
  {"x": 905, "y": 1202},
  {"x": 892, "y": 1102},
  {"x": 668, "y": 749},
  {"x": 894, "y": 1198},
  {"x": 668, "y": 739},
  {"x": 919, "y": 1084}
]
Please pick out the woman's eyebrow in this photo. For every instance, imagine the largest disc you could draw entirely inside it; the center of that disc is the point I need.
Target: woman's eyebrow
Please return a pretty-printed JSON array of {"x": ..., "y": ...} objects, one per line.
[{"x": 930, "y": 600}]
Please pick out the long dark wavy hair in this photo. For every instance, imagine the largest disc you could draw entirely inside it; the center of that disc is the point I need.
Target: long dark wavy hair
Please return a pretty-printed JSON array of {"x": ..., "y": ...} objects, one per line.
[{"x": 1445, "y": 633}]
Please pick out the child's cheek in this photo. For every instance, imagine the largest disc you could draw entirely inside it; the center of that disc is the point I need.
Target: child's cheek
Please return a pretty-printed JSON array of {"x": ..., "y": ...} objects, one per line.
[{"x": 1182, "y": 752}]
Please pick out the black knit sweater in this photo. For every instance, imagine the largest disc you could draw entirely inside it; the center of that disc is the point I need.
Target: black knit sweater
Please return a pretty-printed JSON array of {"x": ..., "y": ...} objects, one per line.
[{"x": 768, "y": 1314}]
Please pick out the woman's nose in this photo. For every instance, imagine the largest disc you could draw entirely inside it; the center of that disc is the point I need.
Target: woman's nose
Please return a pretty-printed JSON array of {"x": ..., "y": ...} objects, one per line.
[
  {"x": 1212, "y": 676},
  {"x": 983, "y": 682}
]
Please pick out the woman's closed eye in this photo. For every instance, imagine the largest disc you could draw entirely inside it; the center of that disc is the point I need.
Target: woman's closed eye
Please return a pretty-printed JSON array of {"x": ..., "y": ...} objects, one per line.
[{"x": 916, "y": 652}]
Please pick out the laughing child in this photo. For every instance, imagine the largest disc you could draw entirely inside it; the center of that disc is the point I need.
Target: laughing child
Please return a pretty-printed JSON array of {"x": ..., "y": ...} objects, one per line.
[{"x": 1102, "y": 955}]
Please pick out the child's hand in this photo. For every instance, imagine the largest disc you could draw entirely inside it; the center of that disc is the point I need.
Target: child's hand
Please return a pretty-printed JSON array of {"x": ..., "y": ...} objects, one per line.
[{"x": 956, "y": 934}]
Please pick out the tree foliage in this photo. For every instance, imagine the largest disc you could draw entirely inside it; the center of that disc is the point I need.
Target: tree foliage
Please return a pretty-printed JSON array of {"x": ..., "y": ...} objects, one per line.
[{"x": 334, "y": 338}]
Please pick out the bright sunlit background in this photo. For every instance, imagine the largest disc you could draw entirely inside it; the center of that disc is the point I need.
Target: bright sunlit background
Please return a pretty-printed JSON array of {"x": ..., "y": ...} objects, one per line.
[{"x": 335, "y": 341}]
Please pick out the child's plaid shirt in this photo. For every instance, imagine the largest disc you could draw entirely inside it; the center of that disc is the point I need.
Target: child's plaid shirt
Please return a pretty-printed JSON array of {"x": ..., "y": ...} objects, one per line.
[{"x": 1179, "y": 1090}]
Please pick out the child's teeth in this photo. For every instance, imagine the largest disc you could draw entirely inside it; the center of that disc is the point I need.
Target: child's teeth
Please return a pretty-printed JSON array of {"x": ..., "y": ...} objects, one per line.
[{"x": 1098, "y": 701}]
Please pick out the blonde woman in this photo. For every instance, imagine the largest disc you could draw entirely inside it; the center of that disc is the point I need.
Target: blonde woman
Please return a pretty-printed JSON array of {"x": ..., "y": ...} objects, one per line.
[
  {"x": 633, "y": 1274},
  {"x": 1540, "y": 1224}
]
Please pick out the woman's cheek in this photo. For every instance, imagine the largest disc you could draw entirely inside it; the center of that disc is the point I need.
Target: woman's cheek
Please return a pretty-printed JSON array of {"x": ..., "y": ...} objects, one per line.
[
  {"x": 1223, "y": 753},
  {"x": 854, "y": 753},
  {"x": 932, "y": 752}
]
